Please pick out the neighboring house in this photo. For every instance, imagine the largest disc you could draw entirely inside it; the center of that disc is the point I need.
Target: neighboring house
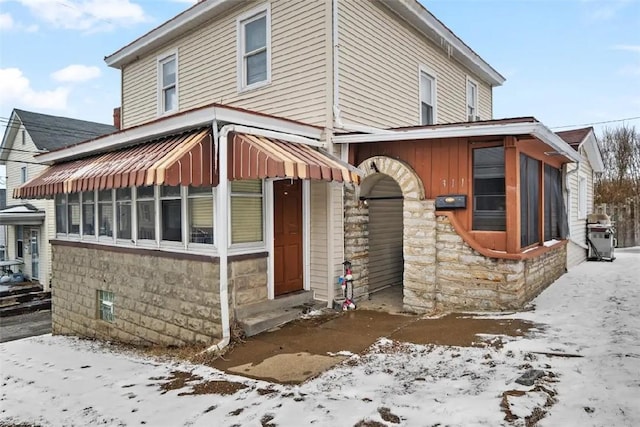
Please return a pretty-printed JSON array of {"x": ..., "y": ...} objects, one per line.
[
  {"x": 3, "y": 228},
  {"x": 579, "y": 184},
  {"x": 30, "y": 223},
  {"x": 231, "y": 188}
]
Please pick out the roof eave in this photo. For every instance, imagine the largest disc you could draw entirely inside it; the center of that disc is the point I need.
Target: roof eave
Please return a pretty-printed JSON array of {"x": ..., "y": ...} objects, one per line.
[
  {"x": 174, "y": 124},
  {"x": 535, "y": 129},
  {"x": 185, "y": 21},
  {"x": 594, "y": 155},
  {"x": 414, "y": 13}
]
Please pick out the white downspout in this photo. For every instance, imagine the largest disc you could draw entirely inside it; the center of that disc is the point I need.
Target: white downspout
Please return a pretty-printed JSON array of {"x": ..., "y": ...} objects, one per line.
[
  {"x": 222, "y": 236},
  {"x": 222, "y": 212}
]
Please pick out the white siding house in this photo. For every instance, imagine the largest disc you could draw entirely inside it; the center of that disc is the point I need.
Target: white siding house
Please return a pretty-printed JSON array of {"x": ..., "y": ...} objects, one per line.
[
  {"x": 579, "y": 190},
  {"x": 30, "y": 224}
]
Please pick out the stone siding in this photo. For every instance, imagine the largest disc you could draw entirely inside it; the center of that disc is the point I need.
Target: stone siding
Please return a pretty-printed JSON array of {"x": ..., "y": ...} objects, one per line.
[
  {"x": 157, "y": 299},
  {"x": 441, "y": 271},
  {"x": 248, "y": 281}
]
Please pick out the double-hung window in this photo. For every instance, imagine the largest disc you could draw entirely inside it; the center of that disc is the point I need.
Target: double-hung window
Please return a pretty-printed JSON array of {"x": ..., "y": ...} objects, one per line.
[
  {"x": 123, "y": 213},
  {"x": 73, "y": 216},
  {"x": 254, "y": 55},
  {"x": 61, "y": 213},
  {"x": 582, "y": 197},
  {"x": 247, "y": 222},
  {"x": 489, "y": 195},
  {"x": 19, "y": 241},
  {"x": 170, "y": 213},
  {"x": 88, "y": 214},
  {"x": 105, "y": 213},
  {"x": 146, "y": 213},
  {"x": 427, "y": 98},
  {"x": 168, "y": 80},
  {"x": 200, "y": 215},
  {"x": 472, "y": 100},
  {"x": 23, "y": 174}
]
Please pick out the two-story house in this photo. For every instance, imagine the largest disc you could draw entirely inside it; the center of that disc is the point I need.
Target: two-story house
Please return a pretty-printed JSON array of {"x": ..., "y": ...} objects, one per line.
[
  {"x": 30, "y": 223},
  {"x": 233, "y": 187}
]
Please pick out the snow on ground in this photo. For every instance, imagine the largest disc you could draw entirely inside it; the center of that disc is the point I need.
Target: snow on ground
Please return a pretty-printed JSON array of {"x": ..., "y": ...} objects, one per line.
[{"x": 591, "y": 312}]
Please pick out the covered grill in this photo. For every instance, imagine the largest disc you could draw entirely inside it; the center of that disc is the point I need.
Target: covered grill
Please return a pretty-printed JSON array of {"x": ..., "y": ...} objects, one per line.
[{"x": 600, "y": 238}]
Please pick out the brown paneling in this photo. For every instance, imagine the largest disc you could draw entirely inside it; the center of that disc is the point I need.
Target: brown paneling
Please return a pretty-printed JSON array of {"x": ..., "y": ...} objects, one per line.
[
  {"x": 537, "y": 149},
  {"x": 496, "y": 240},
  {"x": 511, "y": 176},
  {"x": 441, "y": 164}
]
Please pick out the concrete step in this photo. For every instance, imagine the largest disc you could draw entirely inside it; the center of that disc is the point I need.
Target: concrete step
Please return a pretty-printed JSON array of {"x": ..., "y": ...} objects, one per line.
[
  {"x": 260, "y": 317},
  {"x": 21, "y": 298},
  {"x": 264, "y": 321},
  {"x": 286, "y": 301},
  {"x": 27, "y": 307},
  {"x": 9, "y": 289}
]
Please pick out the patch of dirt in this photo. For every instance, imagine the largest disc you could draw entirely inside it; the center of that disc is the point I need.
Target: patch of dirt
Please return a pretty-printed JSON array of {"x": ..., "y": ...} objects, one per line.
[
  {"x": 264, "y": 421},
  {"x": 178, "y": 380},
  {"x": 369, "y": 423},
  {"x": 266, "y": 391},
  {"x": 388, "y": 416},
  {"x": 223, "y": 388}
]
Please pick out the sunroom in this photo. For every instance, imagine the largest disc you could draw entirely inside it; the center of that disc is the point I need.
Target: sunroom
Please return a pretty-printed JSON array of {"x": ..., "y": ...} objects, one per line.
[
  {"x": 464, "y": 216},
  {"x": 184, "y": 228}
]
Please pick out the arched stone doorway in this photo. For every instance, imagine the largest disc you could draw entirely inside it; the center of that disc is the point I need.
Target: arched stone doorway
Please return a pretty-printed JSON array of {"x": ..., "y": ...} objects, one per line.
[{"x": 392, "y": 177}]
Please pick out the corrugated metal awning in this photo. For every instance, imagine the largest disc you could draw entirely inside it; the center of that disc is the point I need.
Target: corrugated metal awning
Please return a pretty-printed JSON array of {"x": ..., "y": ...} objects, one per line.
[
  {"x": 258, "y": 157},
  {"x": 182, "y": 159}
]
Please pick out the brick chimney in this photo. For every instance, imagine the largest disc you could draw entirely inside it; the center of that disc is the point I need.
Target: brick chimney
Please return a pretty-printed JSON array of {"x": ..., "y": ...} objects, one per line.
[{"x": 116, "y": 118}]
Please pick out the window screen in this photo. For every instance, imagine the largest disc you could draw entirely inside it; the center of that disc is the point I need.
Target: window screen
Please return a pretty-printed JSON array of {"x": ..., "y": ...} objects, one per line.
[
  {"x": 529, "y": 201},
  {"x": 489, "y": 199}
]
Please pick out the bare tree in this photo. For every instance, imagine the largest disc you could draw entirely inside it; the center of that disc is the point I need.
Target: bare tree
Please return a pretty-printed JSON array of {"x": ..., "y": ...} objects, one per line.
[{"x": 620, "y": 180}]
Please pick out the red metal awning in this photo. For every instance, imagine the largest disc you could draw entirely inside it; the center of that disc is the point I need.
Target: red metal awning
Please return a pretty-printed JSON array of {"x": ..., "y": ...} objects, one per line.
[
  {"x": 258, "y": 157},
  {"x": 187, "y": 159},
  {"x": 182, "y": 159}
]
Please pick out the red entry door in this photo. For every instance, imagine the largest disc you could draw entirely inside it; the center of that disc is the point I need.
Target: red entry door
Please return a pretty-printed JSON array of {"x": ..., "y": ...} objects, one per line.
[{"x": 287, "y": 243}]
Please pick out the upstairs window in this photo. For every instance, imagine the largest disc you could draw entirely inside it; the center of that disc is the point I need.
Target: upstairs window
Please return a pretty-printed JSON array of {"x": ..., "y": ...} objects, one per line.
[
  {"x": 254, "y": 56},
  {"x": 489, "y": 196},
  {"x": 168, "y": 78},
  {"x": 23, "y": 174},
  {"x": 427, "y": 98},
  {"x": 472, "y": 101}
]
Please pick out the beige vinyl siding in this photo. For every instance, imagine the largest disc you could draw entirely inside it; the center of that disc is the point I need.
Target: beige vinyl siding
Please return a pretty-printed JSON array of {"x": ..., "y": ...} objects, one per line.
[
  {"x": 207, "y": 67},
  {"x": 336, "y": 234},
  {"x": 380, "y": 58},
  {"x": 577, "y": 227},
  {"x": 318, "y": 238},
  {"x": 385, "y": 236},
  {"x": 47, "y": 229}
]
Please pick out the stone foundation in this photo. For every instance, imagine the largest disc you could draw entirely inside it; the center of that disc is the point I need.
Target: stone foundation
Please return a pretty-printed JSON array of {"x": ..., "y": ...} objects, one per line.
[{"x": 159, "y": 298}]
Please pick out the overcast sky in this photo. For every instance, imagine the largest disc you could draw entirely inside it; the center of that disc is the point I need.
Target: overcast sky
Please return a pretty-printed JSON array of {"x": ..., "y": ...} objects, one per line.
[{"x": 567, "y": 62}]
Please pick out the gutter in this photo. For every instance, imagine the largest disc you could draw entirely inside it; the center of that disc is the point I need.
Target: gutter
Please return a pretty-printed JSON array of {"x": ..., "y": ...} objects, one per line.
[
  {"x": 221, "y": 143},
  {"x": 535, "y": 129}
]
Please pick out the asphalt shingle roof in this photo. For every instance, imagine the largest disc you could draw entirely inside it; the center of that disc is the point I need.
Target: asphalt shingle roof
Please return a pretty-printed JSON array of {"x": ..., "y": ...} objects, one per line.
[
  {"x": 53, "y": 132},
  {"x": 574, "y": 137}
]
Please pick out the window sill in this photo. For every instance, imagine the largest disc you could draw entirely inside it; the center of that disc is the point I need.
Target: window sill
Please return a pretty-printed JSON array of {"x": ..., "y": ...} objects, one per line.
[{"x": 254, "y": 86}]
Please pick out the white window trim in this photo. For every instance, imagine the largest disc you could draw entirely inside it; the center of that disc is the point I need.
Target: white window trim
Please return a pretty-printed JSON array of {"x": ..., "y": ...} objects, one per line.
[
  {"x": 582, "y": 197},
  {"x": 243, "y": 19},
  {"x": 423, "y": 69},
  {"x": 476, "y": 113},
  {"x": 267, "y": 207},
  {"x": 160, "y": 60},
  {"x": 199, "y": 246}
]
